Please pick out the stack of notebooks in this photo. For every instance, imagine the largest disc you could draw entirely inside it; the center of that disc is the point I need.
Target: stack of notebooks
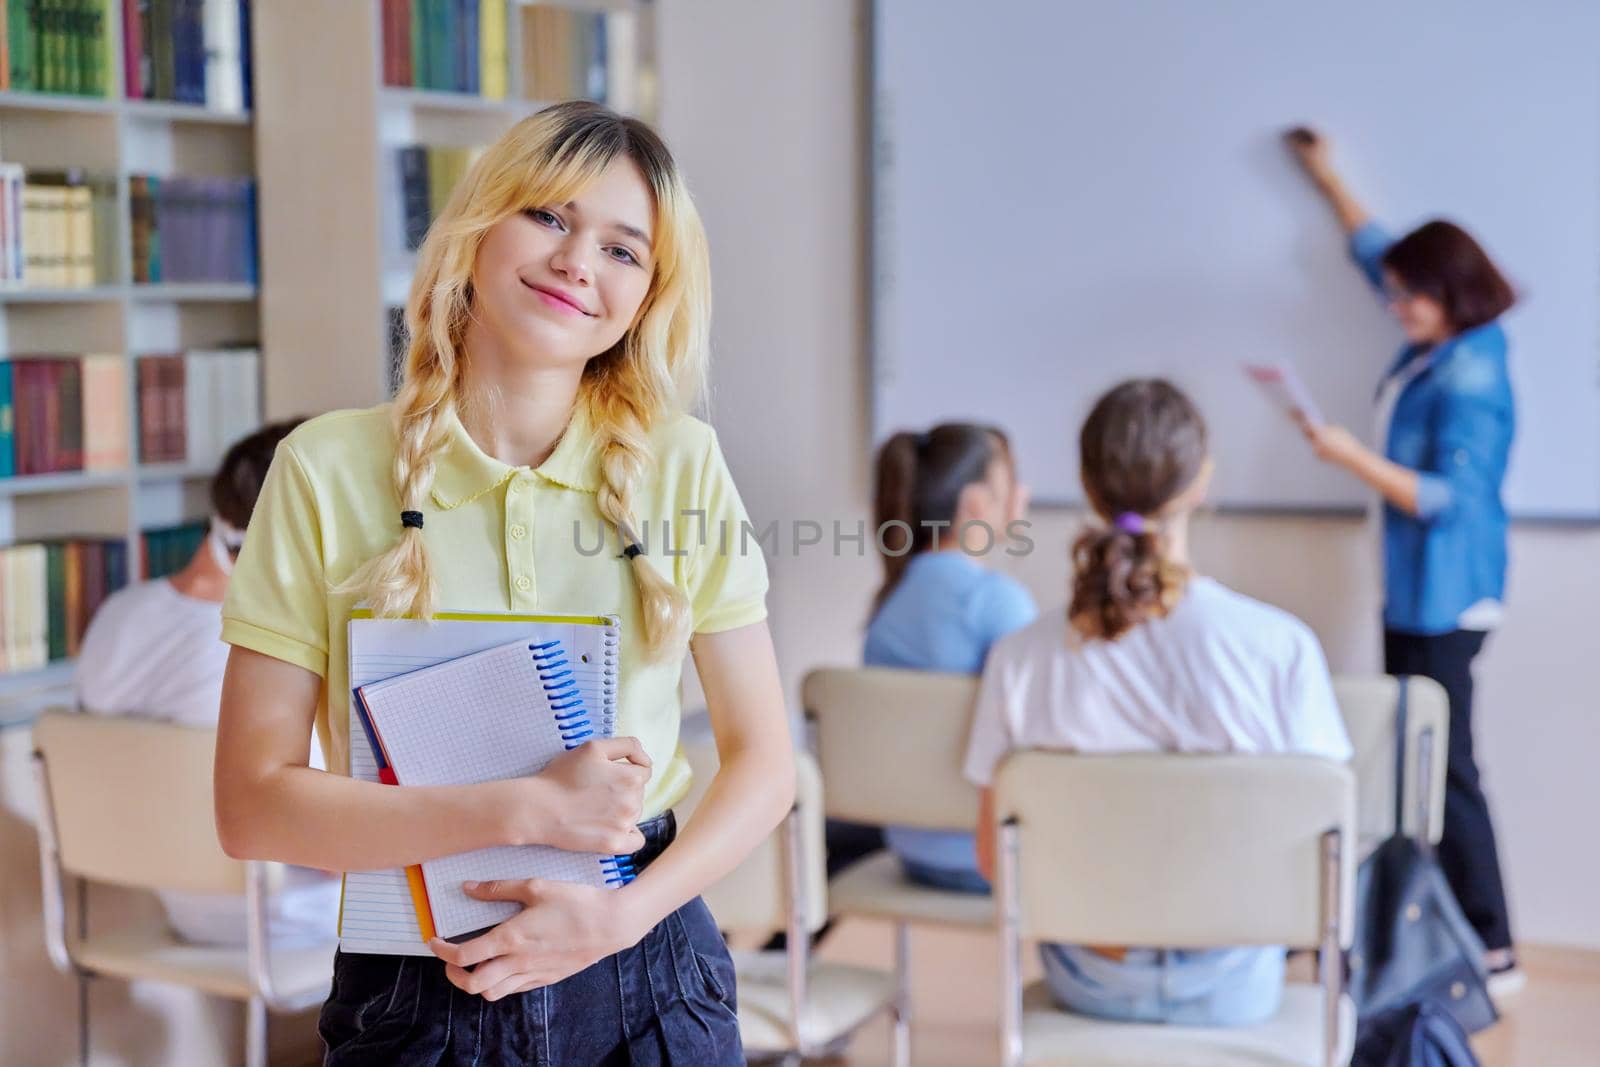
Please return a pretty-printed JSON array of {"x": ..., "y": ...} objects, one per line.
[
  {"x": 48, "y": 594},
  {"x": 463, "y": 699},
  {"x": 63, "y": 413}
]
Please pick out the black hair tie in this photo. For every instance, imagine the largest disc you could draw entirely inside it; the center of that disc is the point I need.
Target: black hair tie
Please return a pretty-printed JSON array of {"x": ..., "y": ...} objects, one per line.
[
  {"x": 411, "y": 519},
  {"x": 631, "y": 551}
]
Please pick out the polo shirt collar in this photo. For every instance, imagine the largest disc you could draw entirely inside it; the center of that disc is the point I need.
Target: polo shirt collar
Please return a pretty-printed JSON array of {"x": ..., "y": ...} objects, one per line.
[{"x": 464, "y": 472}]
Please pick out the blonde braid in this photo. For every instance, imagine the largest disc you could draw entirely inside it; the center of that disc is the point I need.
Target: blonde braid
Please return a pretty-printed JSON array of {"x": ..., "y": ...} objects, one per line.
[{"x": 621, "y": 428}]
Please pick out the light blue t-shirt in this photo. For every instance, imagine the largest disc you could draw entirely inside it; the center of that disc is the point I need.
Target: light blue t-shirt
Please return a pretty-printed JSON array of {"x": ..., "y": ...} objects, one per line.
[{"x": 943, "y": 616}]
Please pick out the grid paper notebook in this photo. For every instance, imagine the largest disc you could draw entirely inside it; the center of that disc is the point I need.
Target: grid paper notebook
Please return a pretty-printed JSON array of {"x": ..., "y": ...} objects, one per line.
[
  {"x": 378, "y": 913},
  {"x": 503, "y": 713}
]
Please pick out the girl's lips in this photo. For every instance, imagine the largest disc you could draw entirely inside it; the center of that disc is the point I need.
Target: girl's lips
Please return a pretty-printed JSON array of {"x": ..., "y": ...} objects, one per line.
[{"x": 559, "y": 301}]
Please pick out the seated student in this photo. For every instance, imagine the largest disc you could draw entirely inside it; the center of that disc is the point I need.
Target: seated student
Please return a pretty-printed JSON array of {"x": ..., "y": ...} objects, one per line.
[
  {"x": 940, "y": 606},
  {"x": 155, "y": 650},
  {"x": 1150, "y": 656}
]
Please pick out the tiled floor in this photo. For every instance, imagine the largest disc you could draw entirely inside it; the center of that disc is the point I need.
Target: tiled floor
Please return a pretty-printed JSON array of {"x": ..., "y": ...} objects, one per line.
[{"x": 1554, "y": 1022}]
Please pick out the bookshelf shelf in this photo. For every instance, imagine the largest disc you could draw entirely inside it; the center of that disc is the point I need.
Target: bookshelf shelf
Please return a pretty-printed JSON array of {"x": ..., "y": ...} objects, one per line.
[
  {"x": 24, "y": 694},
  {"x": 66, "y": 482},
  {"x": 187, "y": 292},
  {"x": 174, "y": 472},
  {"x": 435, "y": 100},
  {"x": 167, "y": 110},
  {"x": 24, "y": 101},
  {"x": 88, "y": 294}
]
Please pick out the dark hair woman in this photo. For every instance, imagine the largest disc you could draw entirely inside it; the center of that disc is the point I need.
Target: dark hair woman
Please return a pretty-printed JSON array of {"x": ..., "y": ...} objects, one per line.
[{"x": 1447, "y": 421}]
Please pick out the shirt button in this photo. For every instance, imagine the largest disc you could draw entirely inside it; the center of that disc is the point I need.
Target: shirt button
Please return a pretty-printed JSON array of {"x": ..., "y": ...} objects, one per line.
[
  {"x": 523, "y": 583},
  {"x": 518, "y": 531}
]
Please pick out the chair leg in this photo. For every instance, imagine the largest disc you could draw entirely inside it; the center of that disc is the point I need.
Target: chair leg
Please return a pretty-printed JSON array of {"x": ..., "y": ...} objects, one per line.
[
  {"x": 902, "y": 995},
  {"x": 255, "y": 1033},
  {"x": 83, "y": 1020}
]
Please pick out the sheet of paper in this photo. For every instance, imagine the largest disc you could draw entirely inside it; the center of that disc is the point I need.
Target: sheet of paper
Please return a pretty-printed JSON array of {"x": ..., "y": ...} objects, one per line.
[
  {"x": 1284, "y": 388},
  {"x": 377, "y": 914}
]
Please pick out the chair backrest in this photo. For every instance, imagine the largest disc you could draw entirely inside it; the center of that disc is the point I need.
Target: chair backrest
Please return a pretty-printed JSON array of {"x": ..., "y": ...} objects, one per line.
[
  {"x": 891, "y": 744},
  {"x": 132, "y": 802},
  {"x": 1160, "y": 849},
  {"x": 754, "y": 895},
  {"x": 1368, "y": 704}
]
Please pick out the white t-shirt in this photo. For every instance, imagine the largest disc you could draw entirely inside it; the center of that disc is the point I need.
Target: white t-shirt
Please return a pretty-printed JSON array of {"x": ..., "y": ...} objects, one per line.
[
  {"x": 152, "y": 652},
  {"x": 1221, "y": 673}
]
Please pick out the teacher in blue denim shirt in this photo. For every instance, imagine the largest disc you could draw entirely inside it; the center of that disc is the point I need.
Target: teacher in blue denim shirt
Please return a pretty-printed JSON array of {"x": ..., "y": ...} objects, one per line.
[{"x": 1446, "y": 422}]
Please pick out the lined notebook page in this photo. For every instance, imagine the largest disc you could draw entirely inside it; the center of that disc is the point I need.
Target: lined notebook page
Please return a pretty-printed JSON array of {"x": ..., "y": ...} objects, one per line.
[
  {"x": 483, "y": 718},
  {"x": 377, "y": 914}
]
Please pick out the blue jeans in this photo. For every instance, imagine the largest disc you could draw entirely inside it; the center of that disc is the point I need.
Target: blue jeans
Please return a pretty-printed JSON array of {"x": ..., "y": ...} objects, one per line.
[
  {"x": 668, "y": 1001},
  {"x": 956, "y": 879},
  {"x": 1185, "y": 987}
]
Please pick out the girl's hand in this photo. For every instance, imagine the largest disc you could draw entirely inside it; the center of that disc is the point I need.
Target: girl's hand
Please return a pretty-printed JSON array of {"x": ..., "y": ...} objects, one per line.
[
  {"x": 1311, "y": 149},
  {"x": 562, "y": 929},
  {"x": 592, "y": 798}
]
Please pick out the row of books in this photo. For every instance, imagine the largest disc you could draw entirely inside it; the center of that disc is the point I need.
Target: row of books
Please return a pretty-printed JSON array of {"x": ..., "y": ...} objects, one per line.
[
  {"x": 57, "y": 228},
  {"x": 193, "y": 229},
  {"x": 568, "y": 53},
  {"x": 53, "y": 46},
  {"x": 168, "y": 550},
  {"x": 63, "y": 413},
  {"x": 190, "y": 51},
  {"x": 427, "y": 177},
  {"x": 193, "y": 405},
  {"x": 456, "y": 46},
  {"x": 49, "y": 592}
]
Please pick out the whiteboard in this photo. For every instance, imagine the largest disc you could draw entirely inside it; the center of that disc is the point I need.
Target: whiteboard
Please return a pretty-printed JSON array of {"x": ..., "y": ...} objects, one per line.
[{"x": 1067, "y": 193}]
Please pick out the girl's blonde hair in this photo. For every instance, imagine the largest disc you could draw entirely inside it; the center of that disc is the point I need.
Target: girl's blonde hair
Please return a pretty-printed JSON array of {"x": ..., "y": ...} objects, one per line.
[{"x": 658, "y": 366}]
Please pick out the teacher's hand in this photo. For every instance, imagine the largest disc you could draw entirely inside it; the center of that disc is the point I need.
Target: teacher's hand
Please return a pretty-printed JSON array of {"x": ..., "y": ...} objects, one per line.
[
  {"x": 1333, "y": 444},
  {"x": 1310, "y": 148}
]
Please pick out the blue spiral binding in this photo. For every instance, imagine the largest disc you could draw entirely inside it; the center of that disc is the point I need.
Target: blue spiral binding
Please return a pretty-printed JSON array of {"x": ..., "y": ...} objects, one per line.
[{"x": 566, "y": 704}]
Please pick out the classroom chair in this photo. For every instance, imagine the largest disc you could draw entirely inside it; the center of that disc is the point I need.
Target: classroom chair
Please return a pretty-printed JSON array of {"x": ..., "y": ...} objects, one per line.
[
  {"x": 1157, "y": 850},
  {"x": 128, "y": 802},
  {"x": 1369, "y": 705},
  {"x": 790, "y": 1006},
  {"x": 891, "y": 744}
]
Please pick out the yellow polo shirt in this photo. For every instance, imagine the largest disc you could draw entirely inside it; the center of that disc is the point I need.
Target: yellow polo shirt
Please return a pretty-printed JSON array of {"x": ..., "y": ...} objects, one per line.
[{"x": 500, "y": 539}]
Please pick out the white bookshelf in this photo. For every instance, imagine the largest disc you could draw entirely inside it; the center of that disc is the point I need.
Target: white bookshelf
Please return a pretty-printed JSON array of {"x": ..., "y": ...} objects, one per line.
[
  {"x": 112, "y": 138},
  {"x": 333, "y": 258}
]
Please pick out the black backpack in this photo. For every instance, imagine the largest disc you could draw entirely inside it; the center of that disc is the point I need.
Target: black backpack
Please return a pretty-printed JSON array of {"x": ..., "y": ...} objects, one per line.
[{"x": 1416, "y": 1035}]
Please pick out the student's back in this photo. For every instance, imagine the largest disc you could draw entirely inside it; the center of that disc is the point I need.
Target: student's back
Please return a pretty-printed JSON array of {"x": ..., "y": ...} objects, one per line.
[
  {"x": 1148, "y": 657},
  {"x": 941, "y": 607},
  {"x": 155, "y": 651}
]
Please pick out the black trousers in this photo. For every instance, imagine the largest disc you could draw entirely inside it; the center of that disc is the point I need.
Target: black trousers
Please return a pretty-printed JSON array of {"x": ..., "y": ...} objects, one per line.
[{"x": 1467, "y": 852}]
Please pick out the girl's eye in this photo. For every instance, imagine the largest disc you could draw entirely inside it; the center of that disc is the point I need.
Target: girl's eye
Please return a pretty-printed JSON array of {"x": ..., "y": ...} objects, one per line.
[
  {"x": 622, "y": 255},
  {"x": 543, "y": 217}
]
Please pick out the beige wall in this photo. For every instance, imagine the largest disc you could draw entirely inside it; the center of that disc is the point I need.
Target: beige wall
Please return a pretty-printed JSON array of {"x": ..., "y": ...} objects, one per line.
[{"x": 762, "y": 102}]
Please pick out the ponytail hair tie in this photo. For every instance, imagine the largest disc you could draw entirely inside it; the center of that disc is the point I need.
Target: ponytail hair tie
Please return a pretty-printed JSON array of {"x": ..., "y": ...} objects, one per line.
[
  {"x": 1131, "y": 522},
  {"x": 410, "y": 519},
  {"x": 631, "y": 551}
]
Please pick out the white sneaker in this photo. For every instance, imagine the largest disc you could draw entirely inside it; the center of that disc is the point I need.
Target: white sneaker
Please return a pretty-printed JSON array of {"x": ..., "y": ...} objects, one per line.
[{"x": 1506, "y": 983}]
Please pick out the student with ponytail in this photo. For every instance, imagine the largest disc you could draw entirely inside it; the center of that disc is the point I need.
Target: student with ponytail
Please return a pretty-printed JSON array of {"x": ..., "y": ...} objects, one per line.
[
  {"x": 558, "y": 323},
  {"x": 1150, "y": 656},
  {"x": 946, "y": 502}
]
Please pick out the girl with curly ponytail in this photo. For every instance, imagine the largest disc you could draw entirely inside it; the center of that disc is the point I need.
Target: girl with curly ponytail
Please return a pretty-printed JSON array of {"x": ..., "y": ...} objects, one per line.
[
  {"x": 537, "y": 459},
  {"x": 1149, "y": 656}
]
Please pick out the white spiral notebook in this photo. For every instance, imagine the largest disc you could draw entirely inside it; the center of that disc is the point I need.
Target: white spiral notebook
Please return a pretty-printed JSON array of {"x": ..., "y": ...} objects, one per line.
[{"x": 423, "y": 685}]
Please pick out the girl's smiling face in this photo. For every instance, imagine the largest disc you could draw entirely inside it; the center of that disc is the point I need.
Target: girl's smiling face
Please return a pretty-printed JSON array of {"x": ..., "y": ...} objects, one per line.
[{"x": 562, "y": 283}]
